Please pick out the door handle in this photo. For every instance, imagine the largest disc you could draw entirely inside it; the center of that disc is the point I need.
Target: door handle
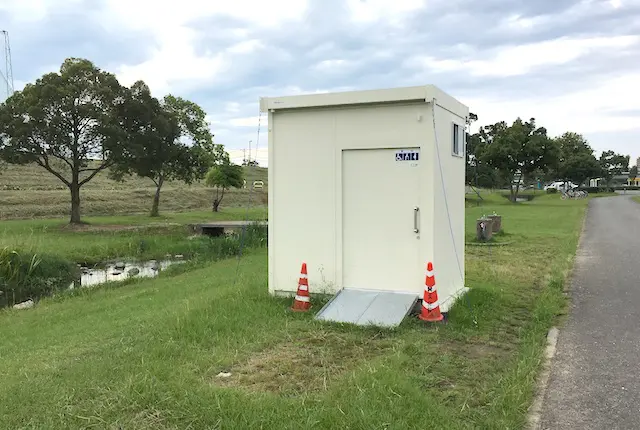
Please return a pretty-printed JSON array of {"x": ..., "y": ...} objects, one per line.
[{"x": 415, "y": 219}]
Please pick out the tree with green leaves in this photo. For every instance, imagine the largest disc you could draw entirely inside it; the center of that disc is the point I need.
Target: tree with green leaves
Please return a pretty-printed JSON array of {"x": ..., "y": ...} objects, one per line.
[
  {"x": 613, "y": 165},
  {"x": 223, "y": 177},
  {"x": 168, "y": 140},
  {"x": 516, "y": 150},
  {"x": 65, "y": 123},
  {"x": 576, "y": 161},
  {"x": 633, "y": 173},
  {"x": 478, "y": 171}
]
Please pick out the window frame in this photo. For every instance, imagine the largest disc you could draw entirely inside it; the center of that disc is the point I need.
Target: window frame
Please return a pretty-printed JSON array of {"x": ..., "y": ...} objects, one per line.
[{"x": 460, "y": 136}]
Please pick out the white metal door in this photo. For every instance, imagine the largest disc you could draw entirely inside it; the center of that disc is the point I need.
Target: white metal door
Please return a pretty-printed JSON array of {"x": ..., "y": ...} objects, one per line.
[{"x": 380, "y": 219}]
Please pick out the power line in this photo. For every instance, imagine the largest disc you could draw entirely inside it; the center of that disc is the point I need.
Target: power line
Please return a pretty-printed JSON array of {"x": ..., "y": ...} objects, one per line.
[{"x": 6, "y": 74}]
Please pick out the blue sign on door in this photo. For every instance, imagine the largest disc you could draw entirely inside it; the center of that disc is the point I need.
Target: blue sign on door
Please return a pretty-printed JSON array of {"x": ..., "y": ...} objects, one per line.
[{"x": 407, "y": 156}]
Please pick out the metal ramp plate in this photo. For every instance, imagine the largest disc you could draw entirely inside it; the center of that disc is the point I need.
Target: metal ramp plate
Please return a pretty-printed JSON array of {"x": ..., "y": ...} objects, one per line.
[{"x": 368, "y": 307}]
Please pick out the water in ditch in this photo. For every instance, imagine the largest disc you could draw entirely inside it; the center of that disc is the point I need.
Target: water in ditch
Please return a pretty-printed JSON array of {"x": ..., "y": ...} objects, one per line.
[{"x": 120, "y": 271}]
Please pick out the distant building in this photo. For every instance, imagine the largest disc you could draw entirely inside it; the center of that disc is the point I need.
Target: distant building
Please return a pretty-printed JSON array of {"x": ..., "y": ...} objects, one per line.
[{"x": 638, "y": 162}]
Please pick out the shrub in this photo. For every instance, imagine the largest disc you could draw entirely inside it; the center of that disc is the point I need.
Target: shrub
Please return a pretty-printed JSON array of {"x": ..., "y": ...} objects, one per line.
[
  {"x": 212, "y": 248},
  {"x": 25, "y": 275},
  {"x": 552, "y": 191},
  {"x": 595, "y": 190},
  {"x": 254, "y": 236}
]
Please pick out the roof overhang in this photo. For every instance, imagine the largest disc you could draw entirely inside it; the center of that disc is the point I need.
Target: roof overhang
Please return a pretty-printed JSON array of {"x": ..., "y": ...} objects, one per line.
[{"x": 424, "y": 94}]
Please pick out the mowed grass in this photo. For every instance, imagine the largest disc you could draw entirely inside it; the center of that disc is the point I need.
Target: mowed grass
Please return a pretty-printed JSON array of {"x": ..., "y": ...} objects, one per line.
[
  {"x": 31, "y": 192},
  {"x": 636, "y": 199},
  {"x": 117, "y": 237},
  {"x": 147, "y": 355}
]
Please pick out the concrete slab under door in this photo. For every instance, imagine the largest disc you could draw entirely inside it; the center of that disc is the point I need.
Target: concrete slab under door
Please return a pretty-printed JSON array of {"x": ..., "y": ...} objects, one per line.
[{"x": 368, "y": 307}]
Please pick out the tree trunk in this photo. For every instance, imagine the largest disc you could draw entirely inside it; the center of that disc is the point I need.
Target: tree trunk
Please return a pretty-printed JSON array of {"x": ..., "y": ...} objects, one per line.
[
  {"x": 512, "y": 192},
  {"x": 514, "y": 189},
  {"x": 75, "y": 203},
  {"x": 218, "y": 199},
  {"x": 155, "y": 209}
]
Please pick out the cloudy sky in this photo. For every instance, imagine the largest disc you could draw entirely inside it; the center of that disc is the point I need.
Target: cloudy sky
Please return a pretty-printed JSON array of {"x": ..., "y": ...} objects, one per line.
[{"x": 573, "y": 65}]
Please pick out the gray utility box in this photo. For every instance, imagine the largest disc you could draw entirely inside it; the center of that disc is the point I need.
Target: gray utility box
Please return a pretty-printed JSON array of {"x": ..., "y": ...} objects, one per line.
[
  {"x": 497, "y": 222},
  {"x": 484, "y": 229}
]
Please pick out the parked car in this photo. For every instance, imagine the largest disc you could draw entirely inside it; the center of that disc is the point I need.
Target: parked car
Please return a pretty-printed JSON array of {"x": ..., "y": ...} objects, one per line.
[{"x": 561, "y": 186}]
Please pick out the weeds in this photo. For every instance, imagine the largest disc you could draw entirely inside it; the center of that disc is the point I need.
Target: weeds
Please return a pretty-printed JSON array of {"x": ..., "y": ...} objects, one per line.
[
  {"x": 30, "y": 276},
  {"x": 25, "y": 275},
  {"x": 112, "y": 238}
]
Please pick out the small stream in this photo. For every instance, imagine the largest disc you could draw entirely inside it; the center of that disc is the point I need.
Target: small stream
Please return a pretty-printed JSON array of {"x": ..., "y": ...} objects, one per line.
[{"x": 120, "y": 271}]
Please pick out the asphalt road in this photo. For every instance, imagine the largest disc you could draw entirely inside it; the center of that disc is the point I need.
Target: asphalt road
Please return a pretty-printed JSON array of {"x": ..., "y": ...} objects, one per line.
[{"x": 595, "y": 374}]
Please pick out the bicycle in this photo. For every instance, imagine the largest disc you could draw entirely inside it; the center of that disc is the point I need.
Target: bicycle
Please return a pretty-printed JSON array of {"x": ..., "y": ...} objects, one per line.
[{"x": 575, "y": 195}]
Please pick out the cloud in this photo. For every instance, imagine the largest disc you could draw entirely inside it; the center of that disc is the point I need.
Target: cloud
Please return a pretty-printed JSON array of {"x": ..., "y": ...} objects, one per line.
[
  {"x": 161, "y": 14},
  {"x": 248, "y": 122},
  {"x": 375, "y": 10},
  {"x": 571, "y": 64},
  {"x": 175, "y": 65},
  {"x": 246, "y": 47},
  {"x": 522, "y": 59},
  {"x": 43, "y": 33},
  {"x": 35, "y": 10},
  {"x": 608, "y": 107}
]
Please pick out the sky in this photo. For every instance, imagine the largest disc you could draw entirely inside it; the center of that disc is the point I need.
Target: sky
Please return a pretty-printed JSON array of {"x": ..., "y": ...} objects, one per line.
[{"x": 572, "y": 65}]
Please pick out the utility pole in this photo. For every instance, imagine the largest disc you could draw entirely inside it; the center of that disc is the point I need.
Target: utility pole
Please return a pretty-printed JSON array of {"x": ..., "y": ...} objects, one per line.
[{"x": 6, "y": 74}]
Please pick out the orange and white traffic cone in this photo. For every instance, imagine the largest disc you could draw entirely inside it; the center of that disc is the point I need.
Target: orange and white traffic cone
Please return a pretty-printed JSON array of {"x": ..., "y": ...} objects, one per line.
[
  {"x": 430, "y": 306},
  {"x": 302, "y": 303}
]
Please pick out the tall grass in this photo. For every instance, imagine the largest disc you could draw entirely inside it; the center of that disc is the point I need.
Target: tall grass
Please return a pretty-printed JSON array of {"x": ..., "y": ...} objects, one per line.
[
  {"x": 110, "y": 238},
  {"x": 26, "y": 275}
]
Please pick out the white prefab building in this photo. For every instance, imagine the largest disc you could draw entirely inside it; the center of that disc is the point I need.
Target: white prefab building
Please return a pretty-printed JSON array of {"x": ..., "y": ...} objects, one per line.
[{"x": 366, "y": 187}]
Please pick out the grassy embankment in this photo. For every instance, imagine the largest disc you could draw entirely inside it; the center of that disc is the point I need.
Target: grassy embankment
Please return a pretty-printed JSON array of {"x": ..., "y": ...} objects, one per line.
[
  {"x": 146, "y": 355},
  {"x": 31, "y": 192},
  {"x": 117, "y": 237}
]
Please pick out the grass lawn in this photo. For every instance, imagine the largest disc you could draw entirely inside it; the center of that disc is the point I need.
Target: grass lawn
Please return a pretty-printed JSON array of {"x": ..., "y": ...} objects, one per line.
[
  {"x": 146, "y": 355},
  {"x": 115, "y": 237},
  {"x": 636, "y": 199}
]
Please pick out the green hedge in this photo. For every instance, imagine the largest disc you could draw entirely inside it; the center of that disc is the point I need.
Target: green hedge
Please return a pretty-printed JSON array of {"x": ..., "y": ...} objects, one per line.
[
  {"x": 595, "y": 190},
  {"x": 24, "y": 276}
]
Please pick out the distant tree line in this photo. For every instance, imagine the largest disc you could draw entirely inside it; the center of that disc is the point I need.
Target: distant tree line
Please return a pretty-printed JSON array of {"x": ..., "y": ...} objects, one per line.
[
  {"x": 508, "y": 156},
  {"x": 82, "y": 121}
]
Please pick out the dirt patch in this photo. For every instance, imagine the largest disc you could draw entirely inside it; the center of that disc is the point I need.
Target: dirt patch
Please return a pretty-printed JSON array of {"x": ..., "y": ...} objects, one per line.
[
  {"x": 479, "y": 350},
  {"x": 304, "y": 365}
]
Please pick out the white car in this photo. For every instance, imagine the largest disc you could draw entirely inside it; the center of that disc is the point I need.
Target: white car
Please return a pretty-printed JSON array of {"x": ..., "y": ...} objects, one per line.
[{"x": 561, "y": 185}]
